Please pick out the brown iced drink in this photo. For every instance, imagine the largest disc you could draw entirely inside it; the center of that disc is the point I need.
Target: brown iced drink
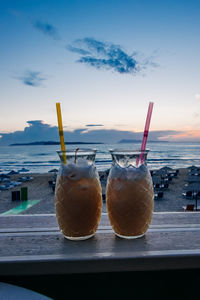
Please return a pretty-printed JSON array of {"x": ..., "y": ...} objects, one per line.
[
  {"x": 130, "y": 200},
  {"x": 78, "y": 202}
]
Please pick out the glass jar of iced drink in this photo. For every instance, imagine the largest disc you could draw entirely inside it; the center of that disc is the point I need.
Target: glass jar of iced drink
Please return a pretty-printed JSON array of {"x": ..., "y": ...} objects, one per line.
[
  {"x": 129, "y": 193},
  {"x": 78, "y": 194}
]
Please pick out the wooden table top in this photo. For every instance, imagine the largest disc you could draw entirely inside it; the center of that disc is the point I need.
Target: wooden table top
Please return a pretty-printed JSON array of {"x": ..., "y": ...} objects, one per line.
[{"x": 33, "y": 245}]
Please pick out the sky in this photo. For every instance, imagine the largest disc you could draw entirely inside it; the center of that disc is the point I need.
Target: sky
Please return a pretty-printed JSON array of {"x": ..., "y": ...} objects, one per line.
[{"x": 103, "y": 60}]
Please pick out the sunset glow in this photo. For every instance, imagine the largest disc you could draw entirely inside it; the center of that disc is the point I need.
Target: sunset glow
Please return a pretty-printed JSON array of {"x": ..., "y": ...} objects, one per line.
[{"x": 102, "y": 72}]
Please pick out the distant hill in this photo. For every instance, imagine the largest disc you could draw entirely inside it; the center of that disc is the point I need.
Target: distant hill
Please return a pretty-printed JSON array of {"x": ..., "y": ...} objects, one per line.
[
  {"x": 52, "y": 143},
  {"x": 139, "y": 141}
]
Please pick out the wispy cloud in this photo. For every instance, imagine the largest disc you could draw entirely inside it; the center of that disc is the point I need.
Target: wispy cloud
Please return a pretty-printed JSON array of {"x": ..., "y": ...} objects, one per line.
[
  {"x": 78, "y": 50},
  {"x": 47, "y": 29},
  {"x": 32, "y": 78},
  {"x": 108, "y": 56},
  {"x": 189, "y": 135}
]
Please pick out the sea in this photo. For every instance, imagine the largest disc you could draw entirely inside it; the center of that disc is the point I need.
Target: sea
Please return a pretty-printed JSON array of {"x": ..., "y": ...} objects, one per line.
[{"x": 44, "y": 158}]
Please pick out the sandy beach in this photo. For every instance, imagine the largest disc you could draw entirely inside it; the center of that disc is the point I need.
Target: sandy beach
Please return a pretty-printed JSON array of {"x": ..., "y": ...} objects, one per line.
[{"x": 39, "y": 189}]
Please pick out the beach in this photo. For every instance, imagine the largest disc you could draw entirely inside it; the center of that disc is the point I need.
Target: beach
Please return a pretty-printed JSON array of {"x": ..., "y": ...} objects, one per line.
[{"x": 39, "y": 189}]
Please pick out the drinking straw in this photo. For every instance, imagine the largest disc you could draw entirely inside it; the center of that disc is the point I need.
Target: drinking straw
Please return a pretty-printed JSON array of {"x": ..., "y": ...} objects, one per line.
[
  {"x": 146, "y": 132},
  {"x": 61, "y": 135}
]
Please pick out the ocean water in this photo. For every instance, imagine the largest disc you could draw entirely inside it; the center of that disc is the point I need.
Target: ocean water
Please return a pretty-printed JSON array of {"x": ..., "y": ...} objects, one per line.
[{"x": 41, "y": 159}]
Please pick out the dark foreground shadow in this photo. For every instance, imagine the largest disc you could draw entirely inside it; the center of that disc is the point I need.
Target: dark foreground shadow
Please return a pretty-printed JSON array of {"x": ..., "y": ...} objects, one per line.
[{"x": 182, "y": 284}]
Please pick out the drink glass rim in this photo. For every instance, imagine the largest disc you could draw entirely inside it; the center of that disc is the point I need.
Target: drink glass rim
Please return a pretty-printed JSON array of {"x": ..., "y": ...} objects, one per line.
[
  {"x": 79, "y": 151},
  {"x": 128, "y": 151}
]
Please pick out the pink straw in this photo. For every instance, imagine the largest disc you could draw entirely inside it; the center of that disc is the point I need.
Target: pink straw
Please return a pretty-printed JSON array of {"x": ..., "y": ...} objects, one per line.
[{"x": 146, "y": 132}]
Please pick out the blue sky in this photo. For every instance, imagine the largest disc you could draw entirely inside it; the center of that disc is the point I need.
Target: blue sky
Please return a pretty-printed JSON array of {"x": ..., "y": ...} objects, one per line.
[{"x": 104, "y": 61}]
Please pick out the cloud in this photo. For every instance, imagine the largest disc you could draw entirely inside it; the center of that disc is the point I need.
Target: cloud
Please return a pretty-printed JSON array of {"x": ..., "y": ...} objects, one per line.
[
  {"x": 108, "y": 56},
  {"x": 47, "y": 29},
  {"x": 182, "y": 136},
  {"x": 197, "y": 96},
  {"x": 78, "y": 50},
  {"x": 37, "y": 130},
  {"x": 94, "y": 125},
  {"x": 32, "y": 78}
]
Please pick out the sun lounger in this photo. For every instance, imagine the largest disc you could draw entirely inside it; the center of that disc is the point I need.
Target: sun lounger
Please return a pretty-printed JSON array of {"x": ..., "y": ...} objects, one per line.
[
  {"x": 25, "y": 178},
  {"x": 193, "y": 178},
  {"x": 189, "y": 207},
  {"x": 166, "y": 172},
  {"x": 5, "y": 180},
  {"x": 158, "y": 195},
  {"x": 51, "y": 182},
  {"x": 8, "y": 185},
  {"x": 157, "y": 186},
  {"x": 173, "y": 175},
  {"x": 188, "y": 194},
  {"x": 157, "y": 179},
  {"x": 160, "y": 186},
  {"x": 3, "y": 187},
  {"x": 15, "y": 183}
]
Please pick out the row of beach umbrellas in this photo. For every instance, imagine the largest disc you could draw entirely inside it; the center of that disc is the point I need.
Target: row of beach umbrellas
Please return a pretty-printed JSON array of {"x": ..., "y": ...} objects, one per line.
[
  {"x": 161, "y": 179},
  {"x": 192, "y": 187}
]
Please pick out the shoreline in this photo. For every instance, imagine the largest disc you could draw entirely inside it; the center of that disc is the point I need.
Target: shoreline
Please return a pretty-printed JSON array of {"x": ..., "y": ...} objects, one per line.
[{"x": 39, "y": 189}]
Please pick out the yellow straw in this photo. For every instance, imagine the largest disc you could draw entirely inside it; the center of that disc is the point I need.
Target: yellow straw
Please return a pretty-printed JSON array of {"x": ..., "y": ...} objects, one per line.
[{"x": 60, "y": 127}]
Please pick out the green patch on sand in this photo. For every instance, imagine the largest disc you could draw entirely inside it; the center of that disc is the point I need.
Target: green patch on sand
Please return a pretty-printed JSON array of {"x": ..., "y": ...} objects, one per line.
[{"x": 20, "y": 208}]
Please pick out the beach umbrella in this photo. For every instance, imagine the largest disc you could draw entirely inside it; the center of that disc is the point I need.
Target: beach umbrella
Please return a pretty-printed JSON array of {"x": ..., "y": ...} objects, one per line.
[
  {"x": 195, "y": 186},
  {"x": 196, "y": 197},
  {"x": 156, "y": 179},
  {"x": 13, "y": 172},
  {"x": 194, "y": 173},
  {"x": 53, "y": 171},
  {"x": 160, "y": 173},
  {"x": 166, "y": 169},
  {"x": 193, "y": 168},
  {"x": 195, "y": 189},
  {"x": 193, "y": 178}
]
